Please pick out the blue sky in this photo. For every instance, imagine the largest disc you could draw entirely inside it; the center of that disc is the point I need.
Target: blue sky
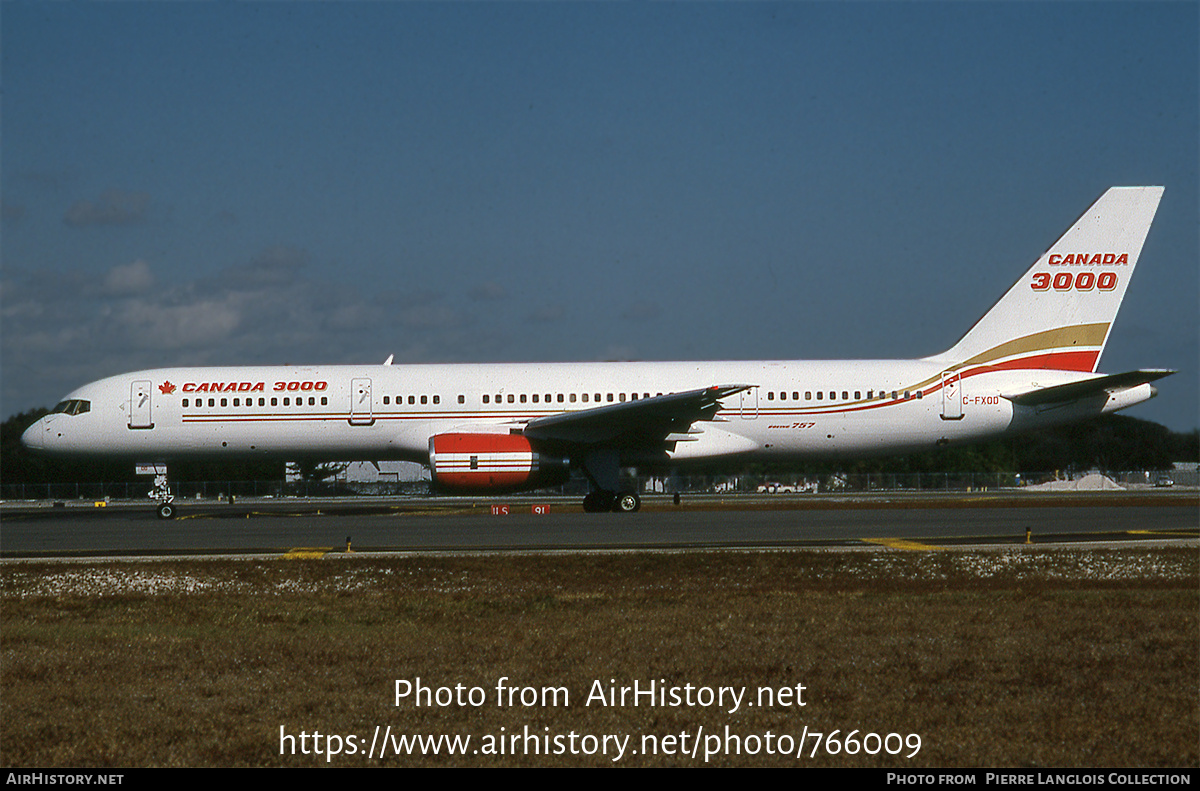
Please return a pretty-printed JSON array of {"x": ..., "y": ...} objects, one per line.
[{"x": 189, "y": 184}]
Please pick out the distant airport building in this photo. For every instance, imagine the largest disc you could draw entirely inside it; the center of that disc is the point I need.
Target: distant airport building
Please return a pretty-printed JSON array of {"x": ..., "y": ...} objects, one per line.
[{"x": 386, "y": 472}]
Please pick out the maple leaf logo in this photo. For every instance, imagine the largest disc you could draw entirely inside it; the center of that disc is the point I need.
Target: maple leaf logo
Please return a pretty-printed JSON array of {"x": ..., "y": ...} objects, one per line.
[{"x": 167, "y": 388}]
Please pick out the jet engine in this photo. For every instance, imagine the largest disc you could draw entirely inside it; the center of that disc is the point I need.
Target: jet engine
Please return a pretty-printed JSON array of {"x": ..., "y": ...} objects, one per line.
[{"x": 489, "y": 462}]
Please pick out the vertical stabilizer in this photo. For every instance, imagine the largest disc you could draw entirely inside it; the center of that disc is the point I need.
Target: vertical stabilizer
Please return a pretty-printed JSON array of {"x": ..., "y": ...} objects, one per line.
[{"x": 1059, "y": 314}]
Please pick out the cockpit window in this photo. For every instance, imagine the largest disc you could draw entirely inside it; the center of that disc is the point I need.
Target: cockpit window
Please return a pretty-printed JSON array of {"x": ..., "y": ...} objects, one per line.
[{"x": 75, "y": 406}]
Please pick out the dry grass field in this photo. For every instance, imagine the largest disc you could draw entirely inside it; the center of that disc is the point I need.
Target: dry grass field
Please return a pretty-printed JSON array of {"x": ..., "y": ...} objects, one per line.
[{"x": 1005, "y": 658}]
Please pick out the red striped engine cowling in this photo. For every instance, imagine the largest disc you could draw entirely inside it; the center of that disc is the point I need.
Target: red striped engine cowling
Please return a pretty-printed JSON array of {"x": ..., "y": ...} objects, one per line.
[{"x": 492, "y": 462}]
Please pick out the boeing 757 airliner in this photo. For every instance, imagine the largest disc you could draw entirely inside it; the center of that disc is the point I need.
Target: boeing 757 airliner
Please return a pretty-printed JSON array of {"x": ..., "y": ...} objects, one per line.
[{"x": 1030, "y": 362}]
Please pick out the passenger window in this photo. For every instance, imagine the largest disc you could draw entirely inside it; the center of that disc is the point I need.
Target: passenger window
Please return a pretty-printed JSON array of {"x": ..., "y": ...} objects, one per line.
[
  {"x": 274, "y": 402},
  {"x": 185, "y": 402},
  {"x": 808, "y": 395},
  {"x": 572, "y": 398},
  {"x": 437, "y": 399},
  {"x": 857, "y": 395},
  {"x": 820, "y": 395},
  {"x": 511, "y": 398},
  {"x": 560, "y": 398},
  {"x": 387, "y": 400},
  {"x": 485, "y": 398},
  {"x": 463, "y": 399},
  {"x": 585, "y": 398},
  {"x": 324, "y": 401},
  {"x": 535, "y": 398}
]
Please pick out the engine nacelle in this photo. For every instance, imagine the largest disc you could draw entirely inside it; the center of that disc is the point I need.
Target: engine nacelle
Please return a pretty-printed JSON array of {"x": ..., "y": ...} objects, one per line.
[{"x": 484, "y": 462}]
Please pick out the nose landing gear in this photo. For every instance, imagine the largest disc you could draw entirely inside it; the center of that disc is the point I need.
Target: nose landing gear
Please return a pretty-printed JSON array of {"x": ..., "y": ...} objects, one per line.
[{"x": 162, "y": 493}]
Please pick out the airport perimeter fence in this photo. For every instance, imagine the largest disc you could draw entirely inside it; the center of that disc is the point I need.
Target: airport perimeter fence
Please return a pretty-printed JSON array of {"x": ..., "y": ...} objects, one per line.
[{"x": 731, "y": 485}]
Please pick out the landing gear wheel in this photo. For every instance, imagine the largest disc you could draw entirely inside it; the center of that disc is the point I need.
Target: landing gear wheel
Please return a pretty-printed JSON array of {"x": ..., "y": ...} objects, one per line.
[
  {"x": 166, "y": 511},
  {"x": 627, "y": 503},
  {"x": 596, "y": 502}
]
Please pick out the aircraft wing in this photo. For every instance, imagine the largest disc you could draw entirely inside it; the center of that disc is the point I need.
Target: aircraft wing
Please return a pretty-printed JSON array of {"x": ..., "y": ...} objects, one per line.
[
  {"x": 641, "y": 422},
  {"x": 1076, "y": 390}
]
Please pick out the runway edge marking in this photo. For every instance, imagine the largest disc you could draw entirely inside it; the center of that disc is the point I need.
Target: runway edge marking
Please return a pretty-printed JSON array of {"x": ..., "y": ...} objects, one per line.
[
  {"x": 900, "y": 543},
  {"x": 307, "y": 553}
]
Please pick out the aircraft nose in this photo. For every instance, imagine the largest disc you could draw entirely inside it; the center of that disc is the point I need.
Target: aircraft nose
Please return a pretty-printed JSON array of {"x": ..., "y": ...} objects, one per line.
[{"x": 34, "y": 437}]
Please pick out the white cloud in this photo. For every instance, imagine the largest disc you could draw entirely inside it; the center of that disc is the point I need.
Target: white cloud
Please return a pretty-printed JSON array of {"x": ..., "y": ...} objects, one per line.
[
  {"x": 113, "y": 207},
  {"x": 60, "y": 329},
  {"x": 132, "y": 278},
  {"x": 151, "y": 325}
]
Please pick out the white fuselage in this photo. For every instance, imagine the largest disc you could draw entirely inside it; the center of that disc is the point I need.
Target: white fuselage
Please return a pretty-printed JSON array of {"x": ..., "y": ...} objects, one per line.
[{"x": 796, "y": 409}]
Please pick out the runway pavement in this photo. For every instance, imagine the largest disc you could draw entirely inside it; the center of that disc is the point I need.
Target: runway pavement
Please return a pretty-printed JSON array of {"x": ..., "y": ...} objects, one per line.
[{"x": 393, "y": 524}]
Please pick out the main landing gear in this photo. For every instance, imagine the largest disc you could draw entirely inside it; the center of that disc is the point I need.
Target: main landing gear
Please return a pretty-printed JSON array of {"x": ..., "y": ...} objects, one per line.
[
  {"x": 599, "y": 501},
  {"x": 603, "y": 470}
]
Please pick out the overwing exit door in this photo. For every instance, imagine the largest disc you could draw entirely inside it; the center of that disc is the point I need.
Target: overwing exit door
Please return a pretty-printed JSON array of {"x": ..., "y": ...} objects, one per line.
[{"x": 749, "y": 404}]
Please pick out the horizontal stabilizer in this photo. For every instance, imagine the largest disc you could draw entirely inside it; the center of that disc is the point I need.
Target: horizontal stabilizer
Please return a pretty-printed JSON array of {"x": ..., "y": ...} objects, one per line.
[{"x": 1088, "y": 387}]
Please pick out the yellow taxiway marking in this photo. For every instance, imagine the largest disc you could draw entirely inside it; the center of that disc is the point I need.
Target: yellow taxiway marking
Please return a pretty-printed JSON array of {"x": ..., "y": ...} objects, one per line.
[
  {"x": 307, "y": 553},
  {"x": 899, "y": 543}
]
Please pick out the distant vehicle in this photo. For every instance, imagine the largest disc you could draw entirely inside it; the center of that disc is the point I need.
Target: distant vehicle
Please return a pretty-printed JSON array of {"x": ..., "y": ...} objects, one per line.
[
  {"x": 1030, "y": 362},
  {"x": 1164, "y": 481}
]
